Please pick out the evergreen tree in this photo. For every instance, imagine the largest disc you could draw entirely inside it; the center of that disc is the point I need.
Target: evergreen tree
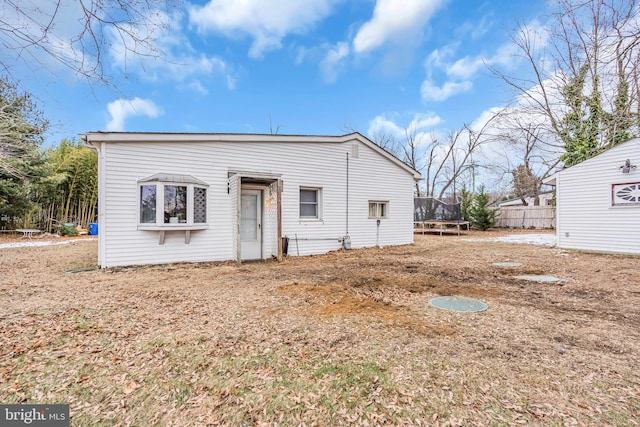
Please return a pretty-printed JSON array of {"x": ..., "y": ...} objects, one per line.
[
  {"x": 465, "y": 203},
  {"x": 22, "y": 127},
  {"x": 481, "y": 216},
  {"x": 21, "y": 131}
]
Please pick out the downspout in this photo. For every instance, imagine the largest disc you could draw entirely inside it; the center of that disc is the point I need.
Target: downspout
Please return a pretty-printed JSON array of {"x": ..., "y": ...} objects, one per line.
[
  {"x": 279, "y": 218},
  {"x": 559, "y": 224},
  {"x": 346, "y": 241},
  {"x": 238, "y": 216},
  {"x": 347, "y": 233},
  {"x": 99, "y": 148}
]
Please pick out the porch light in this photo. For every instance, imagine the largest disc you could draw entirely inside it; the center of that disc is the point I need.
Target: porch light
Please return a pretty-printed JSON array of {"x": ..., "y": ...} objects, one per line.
[
  {"x": 627, "y": 167},
  {"x": 269, "y": 201}
]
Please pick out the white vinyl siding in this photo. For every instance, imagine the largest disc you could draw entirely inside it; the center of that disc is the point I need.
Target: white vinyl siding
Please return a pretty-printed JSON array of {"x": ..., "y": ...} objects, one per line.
[
  {"x": 123, "y": 164},
  {"x": 587, "y": 217}
]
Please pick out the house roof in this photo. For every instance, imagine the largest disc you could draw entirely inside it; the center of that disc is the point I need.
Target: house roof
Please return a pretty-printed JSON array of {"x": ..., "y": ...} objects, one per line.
[
  {"x": 517, "y": 200},
  {"x": 94, "y": 138},
  {"x": 610, "y": 152},
  {"x": 550, "y": 180}
]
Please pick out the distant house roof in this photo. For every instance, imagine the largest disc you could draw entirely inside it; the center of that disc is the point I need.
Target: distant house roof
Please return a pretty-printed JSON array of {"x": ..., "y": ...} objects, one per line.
[{"x": 518, "y": 202}]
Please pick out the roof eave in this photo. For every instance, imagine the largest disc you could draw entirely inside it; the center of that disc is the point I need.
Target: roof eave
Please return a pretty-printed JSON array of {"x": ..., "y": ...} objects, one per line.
[
  {"x": 551, "y": 180},
  {"x": 91, "y": 138}
]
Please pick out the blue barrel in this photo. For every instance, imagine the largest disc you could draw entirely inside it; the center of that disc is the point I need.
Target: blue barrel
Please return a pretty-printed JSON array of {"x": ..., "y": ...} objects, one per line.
[{"x": 93, "y": 228}]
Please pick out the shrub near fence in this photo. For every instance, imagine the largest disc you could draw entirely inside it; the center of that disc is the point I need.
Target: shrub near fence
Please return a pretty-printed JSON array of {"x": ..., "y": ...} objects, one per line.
[{"x": 526, "y": 217}]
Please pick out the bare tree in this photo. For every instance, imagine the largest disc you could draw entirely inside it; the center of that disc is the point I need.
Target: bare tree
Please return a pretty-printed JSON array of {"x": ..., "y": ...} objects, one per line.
[
  {"x": 529, "y": 157},
  {"x": 411, "y": 153},
  {"x": 583, "y": 75},
  {"x": 447, "y": 163},
  {"x": 387, "y": 142},
  {"x": 442, "y": 163},
  {"x": 76, "y": 33}
]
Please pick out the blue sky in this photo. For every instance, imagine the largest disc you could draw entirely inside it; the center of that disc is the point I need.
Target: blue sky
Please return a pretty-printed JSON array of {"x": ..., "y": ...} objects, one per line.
[{"x": 298, "y": 67}]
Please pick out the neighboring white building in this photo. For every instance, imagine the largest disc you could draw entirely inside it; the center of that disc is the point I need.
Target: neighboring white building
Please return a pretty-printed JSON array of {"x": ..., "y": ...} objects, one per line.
[
  {"x": 544, "y": 199},
  {"x": 598, "y": 202},
  {"x": 179, "y": 197}
]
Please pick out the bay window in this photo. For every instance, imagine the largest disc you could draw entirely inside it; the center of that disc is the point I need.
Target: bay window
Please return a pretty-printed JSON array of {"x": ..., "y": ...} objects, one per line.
[{"x": 172, "y": 201}]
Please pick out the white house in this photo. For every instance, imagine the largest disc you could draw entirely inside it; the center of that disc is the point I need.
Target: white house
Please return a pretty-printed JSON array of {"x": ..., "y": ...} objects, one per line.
[
  {"x": 598, "y": 202},
  {"x": 180, "y": 197},
  {"x": 544, "y": 199}
]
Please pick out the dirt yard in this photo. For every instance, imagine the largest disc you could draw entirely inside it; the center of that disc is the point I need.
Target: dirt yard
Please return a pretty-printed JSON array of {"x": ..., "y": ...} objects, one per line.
[{"x": 347, "y": 338}]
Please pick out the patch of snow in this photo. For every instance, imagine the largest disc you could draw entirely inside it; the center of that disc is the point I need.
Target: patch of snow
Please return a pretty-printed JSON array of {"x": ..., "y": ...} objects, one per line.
[
  {"x": 31, "y": 243},
  {"x": 532, "y": 239}
]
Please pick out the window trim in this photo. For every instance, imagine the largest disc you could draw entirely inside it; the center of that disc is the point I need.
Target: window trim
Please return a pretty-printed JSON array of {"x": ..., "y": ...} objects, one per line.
[
  {"x": 160, "y": 181},
  {"x": 618, "y": 200},
  {"x": 318, "y": 204},
  {"x": 378, "y": 203}
]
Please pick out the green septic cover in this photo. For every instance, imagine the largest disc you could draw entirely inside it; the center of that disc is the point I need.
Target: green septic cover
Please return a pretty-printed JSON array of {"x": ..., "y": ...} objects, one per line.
[
  {"x": 507, "y": 264},
  {"x": 458, "y": 304},
  {"x": 537, "y": 278}
]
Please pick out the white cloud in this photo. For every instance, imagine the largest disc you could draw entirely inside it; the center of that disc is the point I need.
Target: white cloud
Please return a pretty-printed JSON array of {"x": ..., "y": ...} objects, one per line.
[
  {"x": 439, "y": 58},
  {"x": 382, "y": 125},
  {"x": 466, "y": 67},
  {"x": 267, "y": 22},
  {"x": 122, "y": 109},
  {"x": 394, "y": 20},
  {"x": 423, "y": 121},
  {"x": 459, "y": 74},
  {"x": 198, "y": 87},
  {"x": 432, "y": 92},
  {"x": 419, "y": 125},
  {"x": 170, "y": 57},
  {"x": 475, "y": 28},
  {"x": 332, "y": 61}
]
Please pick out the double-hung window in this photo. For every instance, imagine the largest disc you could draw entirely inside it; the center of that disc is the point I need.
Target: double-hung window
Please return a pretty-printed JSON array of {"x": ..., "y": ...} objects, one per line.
[
  {"x": 172, "y": 200},
  {"x": 378, "y": 209},
  {"x": 310, "y": 199}
]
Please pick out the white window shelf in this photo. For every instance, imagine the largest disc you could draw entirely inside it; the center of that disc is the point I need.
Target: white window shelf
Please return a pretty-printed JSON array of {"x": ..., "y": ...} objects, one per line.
[{"x": 162, "y": 229}]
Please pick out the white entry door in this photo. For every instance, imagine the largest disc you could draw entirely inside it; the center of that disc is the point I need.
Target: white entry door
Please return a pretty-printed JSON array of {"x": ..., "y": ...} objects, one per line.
[{"x": 251, "y": 224}]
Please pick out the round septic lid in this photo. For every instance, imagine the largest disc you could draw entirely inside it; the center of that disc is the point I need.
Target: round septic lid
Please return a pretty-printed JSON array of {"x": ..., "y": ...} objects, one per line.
[
  {"x": 507, "y": 264},
  {"x": 458, "y": 303},
  {"x": 537, "y": 278}
]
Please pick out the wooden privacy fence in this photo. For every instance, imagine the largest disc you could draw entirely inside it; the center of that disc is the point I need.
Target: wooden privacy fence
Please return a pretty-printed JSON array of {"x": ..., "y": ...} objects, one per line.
[{"x": 526, "y": 217}]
